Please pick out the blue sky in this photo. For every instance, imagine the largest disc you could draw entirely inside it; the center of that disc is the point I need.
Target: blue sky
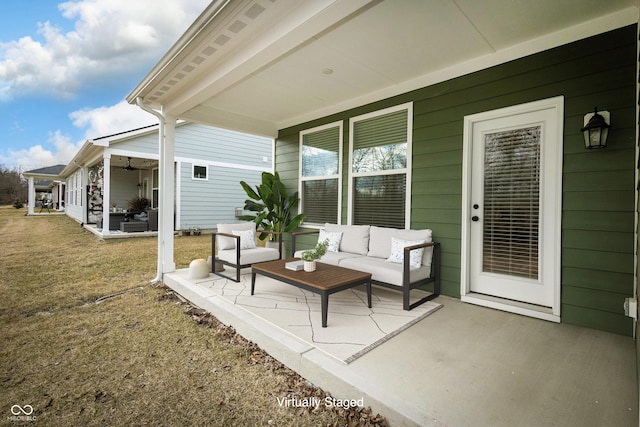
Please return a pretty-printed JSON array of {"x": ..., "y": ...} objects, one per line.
[{"x": 66, "y": 67}]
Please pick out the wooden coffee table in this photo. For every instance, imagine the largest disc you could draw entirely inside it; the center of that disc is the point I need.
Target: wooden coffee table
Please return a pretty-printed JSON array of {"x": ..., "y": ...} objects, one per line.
[{"x": 326, "y": 280}]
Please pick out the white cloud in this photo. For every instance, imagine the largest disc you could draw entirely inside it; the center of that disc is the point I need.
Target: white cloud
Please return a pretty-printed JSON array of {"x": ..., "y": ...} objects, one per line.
[
  {"x": 106, "y": 121},
  {"x": 37, "y": 156},
  {"x": 96, "y": 122},
  {"x": 110, "y": 37}
]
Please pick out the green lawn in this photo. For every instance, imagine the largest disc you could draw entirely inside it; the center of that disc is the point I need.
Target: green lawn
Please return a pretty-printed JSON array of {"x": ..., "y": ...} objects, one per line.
[{"x": 139, "y": 358}]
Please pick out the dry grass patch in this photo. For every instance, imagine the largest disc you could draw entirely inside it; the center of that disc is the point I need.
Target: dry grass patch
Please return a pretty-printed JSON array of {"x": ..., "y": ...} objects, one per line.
[{"x": 139, "y": 358}]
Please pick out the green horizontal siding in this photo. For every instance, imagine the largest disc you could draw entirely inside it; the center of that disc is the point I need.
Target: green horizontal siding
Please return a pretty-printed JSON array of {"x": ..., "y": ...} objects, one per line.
[{"x": 598, "y": 186}]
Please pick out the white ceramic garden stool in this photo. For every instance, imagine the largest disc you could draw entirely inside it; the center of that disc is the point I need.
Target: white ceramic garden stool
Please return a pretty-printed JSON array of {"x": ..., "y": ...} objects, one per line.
[{"x": 199, "y": 269}]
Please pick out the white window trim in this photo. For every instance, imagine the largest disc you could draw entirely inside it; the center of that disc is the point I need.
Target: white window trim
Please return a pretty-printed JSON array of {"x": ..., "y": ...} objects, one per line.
[
  {"x": 407, "y": 171},
  {"x": 339, "y": 125},
  {"x": 193, "y": 172}
]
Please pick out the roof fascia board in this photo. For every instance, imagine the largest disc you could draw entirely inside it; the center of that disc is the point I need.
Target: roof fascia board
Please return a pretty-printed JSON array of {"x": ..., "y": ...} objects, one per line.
[
  {"x": 106, "y": 141},
  {"x": 80, "y": 158},
  {"x": 39, "y": 176},
  {"x": 184, "y": 42},
  {"x": 308, "y": 21},
  {"x": 109, "y": 152}
]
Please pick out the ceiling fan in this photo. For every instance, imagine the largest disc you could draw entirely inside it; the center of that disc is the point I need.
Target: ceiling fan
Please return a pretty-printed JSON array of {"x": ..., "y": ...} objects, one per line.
[{"x": 129, "y": 167}]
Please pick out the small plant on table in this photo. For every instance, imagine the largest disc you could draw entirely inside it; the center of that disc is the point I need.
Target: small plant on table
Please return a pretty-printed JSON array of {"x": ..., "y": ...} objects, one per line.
[{"x": 311, "y": 256}]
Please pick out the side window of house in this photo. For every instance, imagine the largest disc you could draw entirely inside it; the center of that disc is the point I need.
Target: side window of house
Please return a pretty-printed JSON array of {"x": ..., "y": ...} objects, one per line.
[
  {"x": 380, "y": 175},
  {"x": 155, "y": 184},
  {"x": 79, "y": 189},
  {"x": 199, "y": 172},
  {"x": 320, "y": 171}
]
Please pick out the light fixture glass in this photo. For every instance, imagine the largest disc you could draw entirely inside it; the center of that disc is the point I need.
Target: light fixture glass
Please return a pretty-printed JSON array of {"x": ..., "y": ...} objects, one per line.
[{"x": 596, "y": 130}]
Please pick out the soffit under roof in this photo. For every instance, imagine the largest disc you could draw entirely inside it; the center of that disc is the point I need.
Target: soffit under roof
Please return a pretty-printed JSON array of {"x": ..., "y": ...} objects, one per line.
[{"x": 261, "y": 65}]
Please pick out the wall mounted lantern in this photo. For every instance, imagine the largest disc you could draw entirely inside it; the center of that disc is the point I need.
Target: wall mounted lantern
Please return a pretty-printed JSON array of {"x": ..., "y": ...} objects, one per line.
[{"x": 596, "y": 129}]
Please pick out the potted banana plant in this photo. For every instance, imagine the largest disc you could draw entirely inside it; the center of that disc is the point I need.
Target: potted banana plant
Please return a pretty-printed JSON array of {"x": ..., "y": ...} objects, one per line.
[{"x": 271, "y": 206}]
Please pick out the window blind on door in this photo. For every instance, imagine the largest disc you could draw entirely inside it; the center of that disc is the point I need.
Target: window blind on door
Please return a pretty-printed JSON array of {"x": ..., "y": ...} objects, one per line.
[{"x": 511, "y": 222}]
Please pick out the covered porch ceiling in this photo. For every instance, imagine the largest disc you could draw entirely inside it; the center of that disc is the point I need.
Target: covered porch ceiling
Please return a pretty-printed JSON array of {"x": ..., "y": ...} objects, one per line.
[{"x": 261, "y": 65}]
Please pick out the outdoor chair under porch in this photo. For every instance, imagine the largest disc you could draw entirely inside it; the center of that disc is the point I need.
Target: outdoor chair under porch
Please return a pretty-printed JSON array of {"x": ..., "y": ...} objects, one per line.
[{"x": 235, "y": 245}]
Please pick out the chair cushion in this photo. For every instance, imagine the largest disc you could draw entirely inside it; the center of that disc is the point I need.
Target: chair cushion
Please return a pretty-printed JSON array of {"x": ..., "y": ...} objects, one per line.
[
  {"x": 355, "y": 238},
  {"x": 384, "y": 271},
  {"x": 228, "y": 242},
  {"x": 247, "y": 238},
  {"x": 249, "y": 256}
]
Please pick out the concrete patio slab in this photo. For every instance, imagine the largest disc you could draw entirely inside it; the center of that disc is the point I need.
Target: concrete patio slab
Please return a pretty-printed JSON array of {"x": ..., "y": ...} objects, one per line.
[{"x": 465, "y": 365}]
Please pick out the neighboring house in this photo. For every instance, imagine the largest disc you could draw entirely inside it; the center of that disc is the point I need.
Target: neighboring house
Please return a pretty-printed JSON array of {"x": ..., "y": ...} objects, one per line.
[
  {"x": 400, "y": 113},
  {"x": 45, "y": 188},
  {"x": 109, "y": 172}
]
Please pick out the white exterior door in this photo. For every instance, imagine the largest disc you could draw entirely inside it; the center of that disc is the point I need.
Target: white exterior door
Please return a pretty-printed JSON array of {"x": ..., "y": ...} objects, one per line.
[{"x": 511, "y": 221}]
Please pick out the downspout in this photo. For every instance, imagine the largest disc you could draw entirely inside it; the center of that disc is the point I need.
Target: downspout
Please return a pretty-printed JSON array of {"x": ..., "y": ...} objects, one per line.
[{"x": 160, "y": 116}]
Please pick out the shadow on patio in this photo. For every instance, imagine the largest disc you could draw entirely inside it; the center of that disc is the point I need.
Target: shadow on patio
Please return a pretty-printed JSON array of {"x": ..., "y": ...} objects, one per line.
[{"x": 461, "y": 365}]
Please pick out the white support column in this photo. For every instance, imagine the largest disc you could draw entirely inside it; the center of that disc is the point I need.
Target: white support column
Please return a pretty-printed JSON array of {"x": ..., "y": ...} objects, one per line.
[
  {"x": 106, "y": 193},
  {"x": 176, "y": 197},
  {"x": 32, "y": 196},
  {"x": 166, "y": 175},
  {"x": 84, "y": 194},
  {"x": 60, "y": 196}
]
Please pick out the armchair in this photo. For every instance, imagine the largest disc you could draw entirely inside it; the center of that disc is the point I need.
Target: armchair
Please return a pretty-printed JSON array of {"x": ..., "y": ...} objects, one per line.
[{"x": 235, "y": 245}]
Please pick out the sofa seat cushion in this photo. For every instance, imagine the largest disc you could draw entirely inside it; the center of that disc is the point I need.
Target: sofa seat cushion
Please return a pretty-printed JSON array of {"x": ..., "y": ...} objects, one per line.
[
  {"x": 380, "y": 242},
  {"x": 249, "y": 256},
  {"x": 383, "y": 271},
  {"x": 355, "y": 238},
  {"x": 332, "y": 258}
]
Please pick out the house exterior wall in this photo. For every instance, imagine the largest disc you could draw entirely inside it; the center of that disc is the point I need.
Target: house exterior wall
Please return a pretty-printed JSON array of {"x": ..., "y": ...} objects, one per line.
[
  {"x": 200, "y": 142},
  {"x": 75, "y": 197},
  {"x": 204, "y": 204},
  {"x": 229, "y": 157},
  {"x": 146, "y": 143},
  {"x": 598, "y": 186},
  {"x": 124, "y": 186}
]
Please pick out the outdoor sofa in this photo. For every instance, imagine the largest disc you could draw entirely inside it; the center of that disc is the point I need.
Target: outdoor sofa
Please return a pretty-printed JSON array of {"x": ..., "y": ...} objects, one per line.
[{"x": 396, "y": 258}]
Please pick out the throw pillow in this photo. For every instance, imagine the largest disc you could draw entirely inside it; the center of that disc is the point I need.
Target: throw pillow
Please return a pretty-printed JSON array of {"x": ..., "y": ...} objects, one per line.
[
  {"x": 397, "y": 252},
  {"x": 247, "y": 238},
  {"x": 334, "y": 239}
]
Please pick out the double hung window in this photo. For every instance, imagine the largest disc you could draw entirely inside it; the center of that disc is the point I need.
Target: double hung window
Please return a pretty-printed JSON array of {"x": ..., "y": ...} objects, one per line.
[
  {"x": 380, "y": 161},
  {"x": 320, "y": 171},
  {"x": 155, "y": 188}
]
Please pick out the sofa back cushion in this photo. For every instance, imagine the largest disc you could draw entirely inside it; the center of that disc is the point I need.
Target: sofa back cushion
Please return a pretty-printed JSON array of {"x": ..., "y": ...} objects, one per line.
[
  {"x": 228, "y": 242},
  {"x": 380, "y": 241},
  {"x": 355, "y": 238}
]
